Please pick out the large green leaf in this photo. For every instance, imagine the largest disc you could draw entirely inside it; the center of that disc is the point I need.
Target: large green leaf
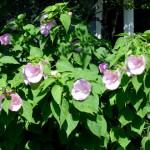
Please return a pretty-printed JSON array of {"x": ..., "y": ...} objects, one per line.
[
  {"x": 55, "y": 110},
  {"x": 65, "y": 20},
  {"x": 89, "y": 105},
  {"x": 70, "y": 124},
  {"x": 98, "y": 127},
  {"x": 5, "y": 105},
  {"x": 27, "y": 111},
  {"x": 35, "y": 51},
  {"x": 57, "y": 93},
  {"x": 64, "y": 111},
  {"x": 64, "y": 65},
  {"x": 138, "y": 125},
  {"x": 125, "y": 116},
  {"x": 117, "y": 134},
  {"x": 8, "y": 60}
]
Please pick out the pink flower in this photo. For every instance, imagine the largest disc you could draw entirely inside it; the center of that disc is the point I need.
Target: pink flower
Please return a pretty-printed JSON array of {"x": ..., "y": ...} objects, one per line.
[
  {"x": 32, "y": 73},
  {"x": 45, "y": 28},
  {"x": 103, "y": 67},
  {"x": 5, "y": 39},
  {"x": 136, "y": 65},
  {"x": 111, "y": 79},
  {"x": 16, "y": 102},
  {"x": 1, "y": 98},
  {"x": 81, "y": 89}
]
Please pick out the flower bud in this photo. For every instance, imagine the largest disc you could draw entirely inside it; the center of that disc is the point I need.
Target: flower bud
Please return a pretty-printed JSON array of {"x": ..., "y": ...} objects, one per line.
[{"x": 103, "y": 67}]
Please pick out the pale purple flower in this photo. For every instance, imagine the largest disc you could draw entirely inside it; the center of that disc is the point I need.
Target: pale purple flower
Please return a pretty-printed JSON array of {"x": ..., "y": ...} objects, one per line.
[
  {"x": 103, "y": 67},
  {"x": 1, "y": 98},
  {"x": 5, "y": 39},
  {"x": 16, "y": 102},
  {"x": 32, "y": 73},
  {"x": 111, "y": 79},
  {"x": 81, "y": 89},
  {"x": 136, "y": 64},
  {"x": 46, "y": 27}
]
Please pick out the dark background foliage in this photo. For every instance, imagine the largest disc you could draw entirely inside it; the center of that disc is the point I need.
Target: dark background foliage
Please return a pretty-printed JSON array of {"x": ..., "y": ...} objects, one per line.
[{"x": 112, "y": 20}]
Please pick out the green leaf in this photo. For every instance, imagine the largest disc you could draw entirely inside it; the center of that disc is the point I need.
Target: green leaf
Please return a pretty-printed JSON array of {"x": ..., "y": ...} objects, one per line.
[
  {"x": 64, "y": 65},
  {"x": 98, "y": 127},
  {"x": 46, "y": 83},
  {"x": 64, "y": 111},
  {"x": 35, "y": 51},
  {"x": 27, "y": 111},
  {"x": 100, "y": 53},
  {"x": 145, "y": 143},
  {"x": 85, "y": 73},
  {"x": 125, "y": 116},
  {"x": 117, "y": 134},
  {"x": 89, "y": 105},
  {"x": 137, "y": 82},
  {"x": 5, "y": 105},
  {"x": 57, "y": 93},
  {"x": 30, "y": 28},
  {"x": 17, "y": 80},
  {"x": 53, "y": 33},
  {"x": 65, "y": 20},
  {"x": 70, "y": 124},
  {"x": 8, "y": 60},
  {"x": 138, "y": 125},
  {"x": 121, "y": 42},
  {"x": 55, "y": 110}
]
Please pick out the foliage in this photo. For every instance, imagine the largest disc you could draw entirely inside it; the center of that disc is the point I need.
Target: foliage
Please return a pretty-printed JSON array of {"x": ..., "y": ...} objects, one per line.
[{"x": 43, "y": 71}]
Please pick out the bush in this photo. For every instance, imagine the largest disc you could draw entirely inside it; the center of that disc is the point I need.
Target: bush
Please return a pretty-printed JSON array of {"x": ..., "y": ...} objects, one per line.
[{"x": 62, "y": 88}]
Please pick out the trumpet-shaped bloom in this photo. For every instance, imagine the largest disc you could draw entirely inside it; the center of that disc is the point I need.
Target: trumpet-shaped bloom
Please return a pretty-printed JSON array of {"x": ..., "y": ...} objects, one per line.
[
  {"x": 1, "y": 98},
  {"x": 103, "y": 67},
  {"x": 81, "y": 89},
  {"x": 5, "y": 39},
  {"x": 46, "y": 27},
  {"x": 111, "y": 79},
  {"x": 136, "y": 65},
  {"x": 32, "y": 73},
  {"x": 16, "y": 102}
]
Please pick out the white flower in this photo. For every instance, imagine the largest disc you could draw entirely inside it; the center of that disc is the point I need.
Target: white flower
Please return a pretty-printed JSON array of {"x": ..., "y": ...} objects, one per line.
[
  {"x": 16, "y": 102},
  {"x": 81, "y": 89},
  {"x": 111, "y": 79},
  {"x": 32, "y": 73},
  {"x": 136, "y": 65}
]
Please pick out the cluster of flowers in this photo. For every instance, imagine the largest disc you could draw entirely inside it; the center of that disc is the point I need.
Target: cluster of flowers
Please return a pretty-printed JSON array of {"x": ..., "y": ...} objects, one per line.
[{"x": 135, "y": 65}]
